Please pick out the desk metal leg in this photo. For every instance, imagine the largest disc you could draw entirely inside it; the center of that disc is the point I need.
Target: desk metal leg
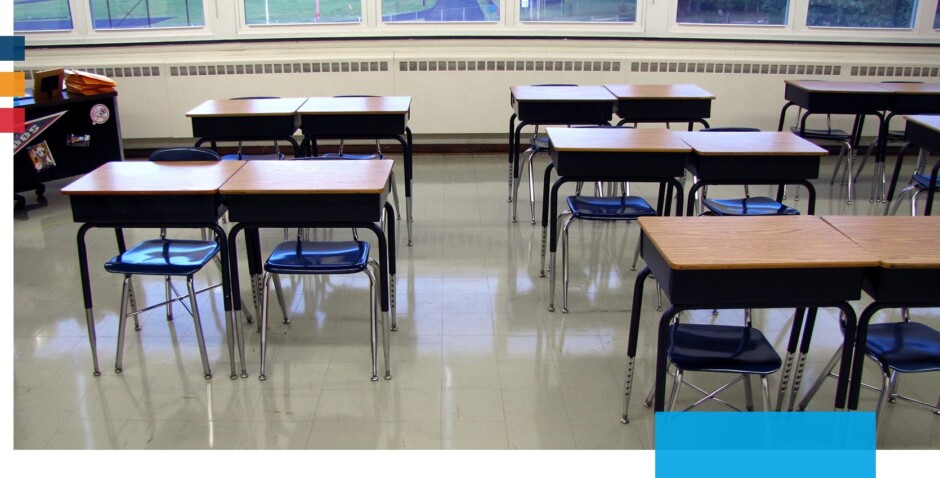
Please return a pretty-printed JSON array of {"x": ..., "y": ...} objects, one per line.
[
  {"x": 801, "y": 361},
  {"x": 632, "y": 340},
  {"x": 392, "y": 268},
  {"x": 792, "y": 345},
  {"x": 234, "y": 334},
  {"x": 236, "y": 294},
  {"x": 512, "y": 148},
  {"x": 545, "y": 188},
  {"x": 409, "y": 175},
  {"x": 86, "y": 295}
]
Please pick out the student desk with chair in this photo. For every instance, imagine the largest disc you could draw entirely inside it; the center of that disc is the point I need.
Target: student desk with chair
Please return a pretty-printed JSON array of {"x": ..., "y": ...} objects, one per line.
[
  {"x": 362, "y": 117},
  {"x": 331, "y": 194},
  {"x": 797, "y": 262},
  {"x": 662, "y": 104},
  {"x": 153, "y": 195},
  {"x": 247, "y": 120}
]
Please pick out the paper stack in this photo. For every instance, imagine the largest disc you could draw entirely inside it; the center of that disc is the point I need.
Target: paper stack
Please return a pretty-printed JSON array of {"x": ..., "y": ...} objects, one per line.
[{"x": 85, "y": 83}]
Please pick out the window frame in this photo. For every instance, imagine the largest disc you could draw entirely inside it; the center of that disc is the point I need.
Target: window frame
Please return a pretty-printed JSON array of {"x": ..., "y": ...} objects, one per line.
[{"x": 656, "y": 19}]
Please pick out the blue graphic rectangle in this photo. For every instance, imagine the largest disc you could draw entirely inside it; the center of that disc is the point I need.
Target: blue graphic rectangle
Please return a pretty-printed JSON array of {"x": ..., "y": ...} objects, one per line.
[
  {"x": 765, "y": 444},
  {"x": 12, "y": 48}
]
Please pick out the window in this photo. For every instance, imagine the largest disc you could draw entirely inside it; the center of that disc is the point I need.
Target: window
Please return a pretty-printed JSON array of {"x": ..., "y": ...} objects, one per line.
[
  {"x": 578, "y": 11},
  {"x": 936, "y": 18},
  {"x": 861, "y": 13},
  {"x": 733, "y": 12},
  {"x": 283, "y": 12},
  {"x": 127, "y": 14},
  {"x": 440, "y": 11},
  {"x": 33, "y": 16}
]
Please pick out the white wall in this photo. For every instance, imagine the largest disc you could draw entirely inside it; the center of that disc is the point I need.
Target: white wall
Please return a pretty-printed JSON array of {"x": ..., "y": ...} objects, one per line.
[{"x": 457, "y": 105}]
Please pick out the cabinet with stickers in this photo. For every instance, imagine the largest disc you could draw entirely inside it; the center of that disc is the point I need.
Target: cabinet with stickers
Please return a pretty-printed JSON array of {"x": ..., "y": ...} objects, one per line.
[{"x": 64, "y": 136}]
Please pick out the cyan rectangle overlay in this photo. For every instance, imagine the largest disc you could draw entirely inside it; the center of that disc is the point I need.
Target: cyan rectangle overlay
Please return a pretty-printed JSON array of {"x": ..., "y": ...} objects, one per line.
[
  {"x": 765, "y": 444},
  {"x": 12, "y": 48}
]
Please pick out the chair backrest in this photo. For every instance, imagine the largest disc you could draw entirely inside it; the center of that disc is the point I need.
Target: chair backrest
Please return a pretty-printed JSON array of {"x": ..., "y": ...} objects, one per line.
[
  {"x": 184, "y": 154},
  {"x": 730, "y": 129}
]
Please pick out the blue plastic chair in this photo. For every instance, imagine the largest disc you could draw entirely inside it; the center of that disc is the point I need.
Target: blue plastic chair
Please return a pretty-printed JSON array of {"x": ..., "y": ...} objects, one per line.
[
  {"x": 321, "y": 258},
  {"x": 594, "y": 208},
  {"x": 162, "y": 257},
  {"x": 722, "y": 348}
]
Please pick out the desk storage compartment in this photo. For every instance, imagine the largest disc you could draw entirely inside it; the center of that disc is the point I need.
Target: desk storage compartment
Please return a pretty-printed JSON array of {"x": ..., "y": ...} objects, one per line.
[
  {"x": 246, "y": 127},
  {"x": 146, "y": 210},
  {"x": 365, "y": 126},
  {"x": 564, "y": 112},
  {"x": 300, "y": 208},
  {"x": 763, "y": 168},
  {"x": 903, "y": 285},
  {"x": 837, "y": 103},
  {"x": 618, "y": 164},
  {"x": 656, "y": 110},
  {"x": 758, "y": 288}
]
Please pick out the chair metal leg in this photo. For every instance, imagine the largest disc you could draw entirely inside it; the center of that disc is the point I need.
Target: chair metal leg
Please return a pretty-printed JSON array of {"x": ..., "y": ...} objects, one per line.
[
  {"x": 564, "y": 266},
  {"x": 169, "y": 298},
  {"x": 198, "y": 324},
  {"x": 263, "y": 323},
  {"x": 765, "y": 392},
  {"x": 132, "y": 303},
  {"x": 636, "y": 255},
  {"x": 280, "y": 297},
  {"x": 531, "y": 189},
  {"x": 551, "y": 266},
  {"x": 885, "y": 384},
  {"x": 850, "y": 155},
  {"x": 395, "y": 196},
  {"x": 826, "y": 373},
  {"x": 675, "y": 391},
  {"x": 122, "y": 325},
  {"x": 374, "y": 326},
  {"x": 383, "y": 320},
  {"x": 748, "y": 395}
]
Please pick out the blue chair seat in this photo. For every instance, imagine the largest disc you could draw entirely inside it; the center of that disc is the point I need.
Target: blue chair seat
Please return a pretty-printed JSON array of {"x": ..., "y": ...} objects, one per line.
[
  {"x": 307, "y": 257},
  {"x": 601, "y": 208},
  {"x": 830, "y": 134},
  {"x": 353, "y": 157},
  {"x": 174, "y": 257},
  {"x": 721, "y": 348},
  {"x": 907, "y": 347},
  {"x": 923, "y": 180},
  {"x": 254, "y": 157},
  {"x": 754, "y": 206}
]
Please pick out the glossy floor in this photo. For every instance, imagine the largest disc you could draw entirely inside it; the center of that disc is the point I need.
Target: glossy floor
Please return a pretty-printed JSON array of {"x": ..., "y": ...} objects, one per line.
[{"x": 478, "y": 362}]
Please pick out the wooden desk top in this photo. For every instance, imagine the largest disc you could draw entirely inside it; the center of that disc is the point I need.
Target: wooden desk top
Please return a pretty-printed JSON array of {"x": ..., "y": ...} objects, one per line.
[
  {"x": 310, "y": 177},
  {"x": 146, "y": 177},
  {"x": 256, "y": 107},
  {"x": 897, "y": 241},
  {"x": 912, "y": 88},
  {"x": 659, "y": 92},
  {"x": 356, "y": 105},
  {"x": 616, "y": 139},
  {"x": 819, "y": 86},
  {"x": 783, "y": 242},
  {"x": 764, "y": 143},
  {"x": 927, "y": 121},
  {"x": 561, "y": 93}
]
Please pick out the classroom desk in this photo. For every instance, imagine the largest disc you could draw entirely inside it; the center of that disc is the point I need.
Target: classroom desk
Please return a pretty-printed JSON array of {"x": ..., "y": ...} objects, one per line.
[
  {"x": 906, "y": 99},
  {"x": 610, "y": 154},
  {"x": 747, "y": 262},
  {"x": 907, "y": 275},
  {"x": 340, "y": 194},
  {"x": 662, "y": 104},
  {"x": 148, "y": 194},
  {"x": 922, "y": 131},
  {"x": 362, "y": 117},
  {"x": 751, "y": 158},
  {"x": 839, "y": 97},
  {"x": 553, "y": 105},
  {"x": 247, "y": 120}
]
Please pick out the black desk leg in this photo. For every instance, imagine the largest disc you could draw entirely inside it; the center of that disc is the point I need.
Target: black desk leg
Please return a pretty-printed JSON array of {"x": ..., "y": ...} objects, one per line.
[
  {"x": 512, "y": 148},
  {"x": 86, "y": 295},
  {"x": 632, "y": 340},
  {"x": 662, "y": 344},
  {"x": 545, "y": 188},
  {"x": 792, "y": 345},
  {"x": 804, "y": 350},
  {"x": 390, "y": 225},
  {"x": 896, "y": 174},
  {"x": 408, "y": 148},
  {"x": 845, "y": 367},
  {"x": 234, "y": 333},
  {"x": 932, "y": 189}
]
